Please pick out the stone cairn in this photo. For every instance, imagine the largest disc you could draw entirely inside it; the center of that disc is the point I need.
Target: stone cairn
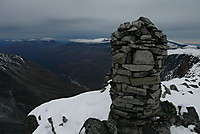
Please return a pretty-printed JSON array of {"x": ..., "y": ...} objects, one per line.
[{"x": 137, "y": 56}]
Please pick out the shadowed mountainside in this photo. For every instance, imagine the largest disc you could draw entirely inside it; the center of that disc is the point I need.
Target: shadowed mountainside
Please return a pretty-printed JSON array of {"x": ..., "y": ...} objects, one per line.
[{"x": 25, "y": 85}]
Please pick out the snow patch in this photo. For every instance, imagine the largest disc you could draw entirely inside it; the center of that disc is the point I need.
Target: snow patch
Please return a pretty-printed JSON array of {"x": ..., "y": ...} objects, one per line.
[
  {"x": 98, "y": 40},
  {"x": 47, "y": 39},
  {"x": 194, "y": 52},
  {"x": 182, "y": 130}
]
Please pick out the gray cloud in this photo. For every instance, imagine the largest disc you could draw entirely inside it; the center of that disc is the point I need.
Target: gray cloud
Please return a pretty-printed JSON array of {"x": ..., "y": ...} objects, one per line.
[{"x": 64, "y": 19}]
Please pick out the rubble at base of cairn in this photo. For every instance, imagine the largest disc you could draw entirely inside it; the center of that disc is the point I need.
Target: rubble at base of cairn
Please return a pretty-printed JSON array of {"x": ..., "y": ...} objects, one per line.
[{"x": 137, "y": 54}]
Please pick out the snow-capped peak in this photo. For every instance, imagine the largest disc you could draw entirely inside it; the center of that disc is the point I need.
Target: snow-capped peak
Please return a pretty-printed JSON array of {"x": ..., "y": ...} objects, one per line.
[
  {"x": 32, "y": 40},
  {"x": 48, "y": 39},
  {"x": 98, "y": 40}
]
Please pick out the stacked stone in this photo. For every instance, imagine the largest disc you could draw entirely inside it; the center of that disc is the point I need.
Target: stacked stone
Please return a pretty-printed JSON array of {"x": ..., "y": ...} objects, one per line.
[{"x": 137, "y": 54}]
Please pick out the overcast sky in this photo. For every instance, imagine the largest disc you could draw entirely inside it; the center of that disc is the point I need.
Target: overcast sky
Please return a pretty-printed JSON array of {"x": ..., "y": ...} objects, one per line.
[{"x": 66, "y": 19}]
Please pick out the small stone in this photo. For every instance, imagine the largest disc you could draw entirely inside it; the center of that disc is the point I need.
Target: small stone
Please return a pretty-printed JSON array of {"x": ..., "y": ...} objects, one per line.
[
  {"x": 151, "y": 26},
  {"x": 149, "y": 45},
  {"x": 127, "y": 25},
  {"x": 146, "y": 20},
  {"x": 121, "y": 113},
  {"x": 150, "y": 101},
  {"x": 137, "y": 23},
  {"x": 167, "y": 90},
  {"x": 143, "y": 57},
  {"x": 156, "y": 95},
  {"x": 125, "y": 49},
  {"x": 129, "y": 39},
  {"x": 158, "y": 34},
  {"x": 190, "y": 92},
  {"x": 194, "y": 86},
  {"x": 145, "y": 37},
  {"x": 119, "y": 43},
  {"x": 162, "y": 46},
  {"x": 164, "y": 52},
  {"x": 129, "y": 58},
  {"x": 64, "y": 119},
  {"x": 137, "y": 67},
  {"x": 128, "y": 97},
  {"x": 134, "y": 90},
  {"x": 140, "y": 74},
  {"x": 119, "y": 58},
  {"x": 130, "y": 101},
  {"x": 156, "y": 51},
  {"x": 159, "y": 63},
  {"x": 113, "y": 38},
  {"x": 121, "y": 79},
  {"x": 132, "y": 29},
  {"x": 145, "y": 86},
  {"x": 155, "y": 87},
  {"x": 185, "y": 84},
  {"x": 132, "y": 45},
  {"x": 118, "y": 86},
  {"x": 122, "y": 27},
  {"x": 145, "y": 80},
  {"x": 124, "y": 72},
  {"x": 144, "y": 31},
  {"x": 174, "y": 88},
  {"x": 120, "y": 35}
]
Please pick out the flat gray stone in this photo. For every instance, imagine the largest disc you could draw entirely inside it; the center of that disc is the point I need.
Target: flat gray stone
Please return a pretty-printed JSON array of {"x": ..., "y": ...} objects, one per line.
[
  {"x": 143, "y": 57},
  {"x": 132, "y": 29},
  {"x": 113, "y": 38},
  {"x": 129, "y": 39},
  {"x": 121, "y": 113},
  {"x": 137, "y": 67},
  {"x": 124, "y": 72},
  {"x": 140, "y": 74},
  {"x": 145, "y": 20},
  {"x": 164, "y": 52},
  {"x": 156, "y": 95},
  {"x": 120, "y": 35},
  {"x": 125, "y": 49},
  {"x": 127, "y": 24},
  {"x": 158, "y": 34},
  {"x": 146, "y": 37},
  {"x": 132, "y": 45},
  {"x": 119, "y": 58},
  {"x": 156, "y": 51},
  {"x": 122, "y": 27},
  {"x": 130, "y": 101},
  {"x": 121, "y": 79},
  {"x": 137, "y": 23},
  {"x": 130, "y": 89},
  {"x": 145, "y": 81},
  {"x": 159, "y": 63}
]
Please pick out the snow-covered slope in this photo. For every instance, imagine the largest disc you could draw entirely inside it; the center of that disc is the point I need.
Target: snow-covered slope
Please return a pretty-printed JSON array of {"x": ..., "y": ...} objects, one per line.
[
  {"x": 76, "y": 109},
  {"x": 89, "y": 41},
  {"x": 96, "y": 104}
]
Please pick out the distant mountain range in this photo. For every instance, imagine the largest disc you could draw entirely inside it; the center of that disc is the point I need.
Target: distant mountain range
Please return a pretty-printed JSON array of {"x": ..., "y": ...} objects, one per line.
[{"x": 80, "y": 59}]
